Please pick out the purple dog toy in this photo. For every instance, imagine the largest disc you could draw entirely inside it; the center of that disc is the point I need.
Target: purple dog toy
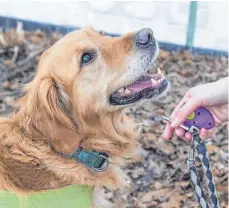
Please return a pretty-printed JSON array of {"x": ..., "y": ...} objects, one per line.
[{"x": 200, "y": 118}]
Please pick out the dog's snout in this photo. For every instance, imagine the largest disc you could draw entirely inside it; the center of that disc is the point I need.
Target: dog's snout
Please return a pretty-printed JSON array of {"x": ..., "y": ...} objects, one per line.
[{"x": 144, "y": 38}]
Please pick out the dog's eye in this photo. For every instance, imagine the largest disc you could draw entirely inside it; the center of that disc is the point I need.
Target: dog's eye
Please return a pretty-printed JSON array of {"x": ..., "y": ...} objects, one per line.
[{"x": 86, "y": 58}]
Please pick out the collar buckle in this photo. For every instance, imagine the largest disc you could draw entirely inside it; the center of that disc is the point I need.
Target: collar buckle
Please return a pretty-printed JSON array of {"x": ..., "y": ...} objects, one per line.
[
  {"x": 97, "y": 161},
  {"x": 103, "y": 163}
]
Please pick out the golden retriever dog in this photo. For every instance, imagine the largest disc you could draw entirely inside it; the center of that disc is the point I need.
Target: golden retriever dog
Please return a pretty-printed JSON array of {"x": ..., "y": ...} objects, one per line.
[{"x": 77, "y": 99}]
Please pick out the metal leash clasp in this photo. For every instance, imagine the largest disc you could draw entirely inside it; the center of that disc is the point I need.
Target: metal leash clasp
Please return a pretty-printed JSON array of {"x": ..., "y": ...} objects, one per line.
[
  {"x": 193, "y": 130},
  {"x": 191, "y": 160}
]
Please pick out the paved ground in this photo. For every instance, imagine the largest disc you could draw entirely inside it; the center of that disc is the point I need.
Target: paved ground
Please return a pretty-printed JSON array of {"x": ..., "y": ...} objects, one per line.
[{"x": 167, "y": 19}]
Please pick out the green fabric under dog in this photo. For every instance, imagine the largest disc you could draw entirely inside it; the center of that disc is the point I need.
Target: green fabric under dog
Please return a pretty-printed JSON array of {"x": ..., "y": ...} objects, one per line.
[{"x": 73, "y": 196}]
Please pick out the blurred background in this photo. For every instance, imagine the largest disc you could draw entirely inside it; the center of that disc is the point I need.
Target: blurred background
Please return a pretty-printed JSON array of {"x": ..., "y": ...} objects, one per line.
[
  {"x": 199, "y": 24},
  {"x": 193, "y": 38}
]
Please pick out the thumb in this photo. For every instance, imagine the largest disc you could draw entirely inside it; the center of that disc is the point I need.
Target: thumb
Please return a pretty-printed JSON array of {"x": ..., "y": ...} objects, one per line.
[{"x": 184, "y": 111}]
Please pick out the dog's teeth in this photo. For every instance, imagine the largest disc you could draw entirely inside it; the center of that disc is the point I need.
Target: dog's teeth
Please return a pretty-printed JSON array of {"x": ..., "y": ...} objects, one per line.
[
  {"x": 121, "y": 90},
  {"x": 127, "y": 91},
  {"x": 154, "y": 82}
]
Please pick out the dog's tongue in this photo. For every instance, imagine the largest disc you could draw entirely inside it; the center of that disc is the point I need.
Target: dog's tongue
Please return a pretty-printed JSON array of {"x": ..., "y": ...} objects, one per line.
[
  {"x": 146, "y": 81},
  {"x": 140, "y": 85}
]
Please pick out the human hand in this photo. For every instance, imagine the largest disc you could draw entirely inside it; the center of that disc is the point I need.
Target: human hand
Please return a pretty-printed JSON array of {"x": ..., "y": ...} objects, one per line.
[{"x": 213, "y": 96}]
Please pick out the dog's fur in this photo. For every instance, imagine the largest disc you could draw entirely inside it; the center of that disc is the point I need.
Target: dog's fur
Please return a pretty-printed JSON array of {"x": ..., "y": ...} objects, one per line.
[{"x": 67, "y": 105}]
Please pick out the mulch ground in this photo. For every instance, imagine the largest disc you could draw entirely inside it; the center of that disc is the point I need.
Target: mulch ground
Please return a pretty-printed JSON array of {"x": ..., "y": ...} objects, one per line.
[{"x": 161, "y": 178}]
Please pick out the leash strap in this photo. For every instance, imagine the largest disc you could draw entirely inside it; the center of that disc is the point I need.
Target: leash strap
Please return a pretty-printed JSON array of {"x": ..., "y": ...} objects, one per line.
[
  {"x": 197, "y": 186},
  {"x": 203, "y": 156},
  {"x": 193, "y": 175}
]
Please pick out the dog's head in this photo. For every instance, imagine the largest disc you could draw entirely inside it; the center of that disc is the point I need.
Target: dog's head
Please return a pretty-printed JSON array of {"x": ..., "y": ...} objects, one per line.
[{"x": 101, "y": 72}]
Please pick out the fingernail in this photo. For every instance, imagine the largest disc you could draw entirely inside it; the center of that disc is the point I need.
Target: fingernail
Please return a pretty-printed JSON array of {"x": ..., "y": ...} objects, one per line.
[
  {"x": 175, "y": 123},
  {"x": 164, "y": 137}
]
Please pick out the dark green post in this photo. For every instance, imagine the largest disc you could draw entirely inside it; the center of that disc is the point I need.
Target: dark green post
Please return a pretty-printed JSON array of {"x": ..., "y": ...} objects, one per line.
[{"x": 191, "y": 24}]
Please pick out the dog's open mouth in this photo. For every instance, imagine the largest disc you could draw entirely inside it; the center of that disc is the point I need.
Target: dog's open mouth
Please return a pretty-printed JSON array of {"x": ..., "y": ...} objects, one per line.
[{"x": 146, "y": 86}]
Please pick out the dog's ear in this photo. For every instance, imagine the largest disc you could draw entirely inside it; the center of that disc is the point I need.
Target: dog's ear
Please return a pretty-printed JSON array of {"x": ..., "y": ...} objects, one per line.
[
  {"x": 47, "y": 99},
  {"x": 55, "y": 100}
]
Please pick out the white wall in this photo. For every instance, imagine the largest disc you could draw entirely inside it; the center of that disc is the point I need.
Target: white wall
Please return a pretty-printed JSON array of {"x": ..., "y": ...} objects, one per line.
[
  {"x": 167, "y": 19},
  {"x": 212, "y": 25}
]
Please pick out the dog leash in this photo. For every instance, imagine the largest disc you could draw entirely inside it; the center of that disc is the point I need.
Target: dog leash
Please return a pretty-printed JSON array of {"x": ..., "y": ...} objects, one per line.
[{"x": 200, "y": 118}]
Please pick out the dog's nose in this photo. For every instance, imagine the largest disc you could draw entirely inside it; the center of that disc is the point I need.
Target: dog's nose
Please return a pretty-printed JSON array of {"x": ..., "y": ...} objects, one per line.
[{"x": 144, "y": 38}]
